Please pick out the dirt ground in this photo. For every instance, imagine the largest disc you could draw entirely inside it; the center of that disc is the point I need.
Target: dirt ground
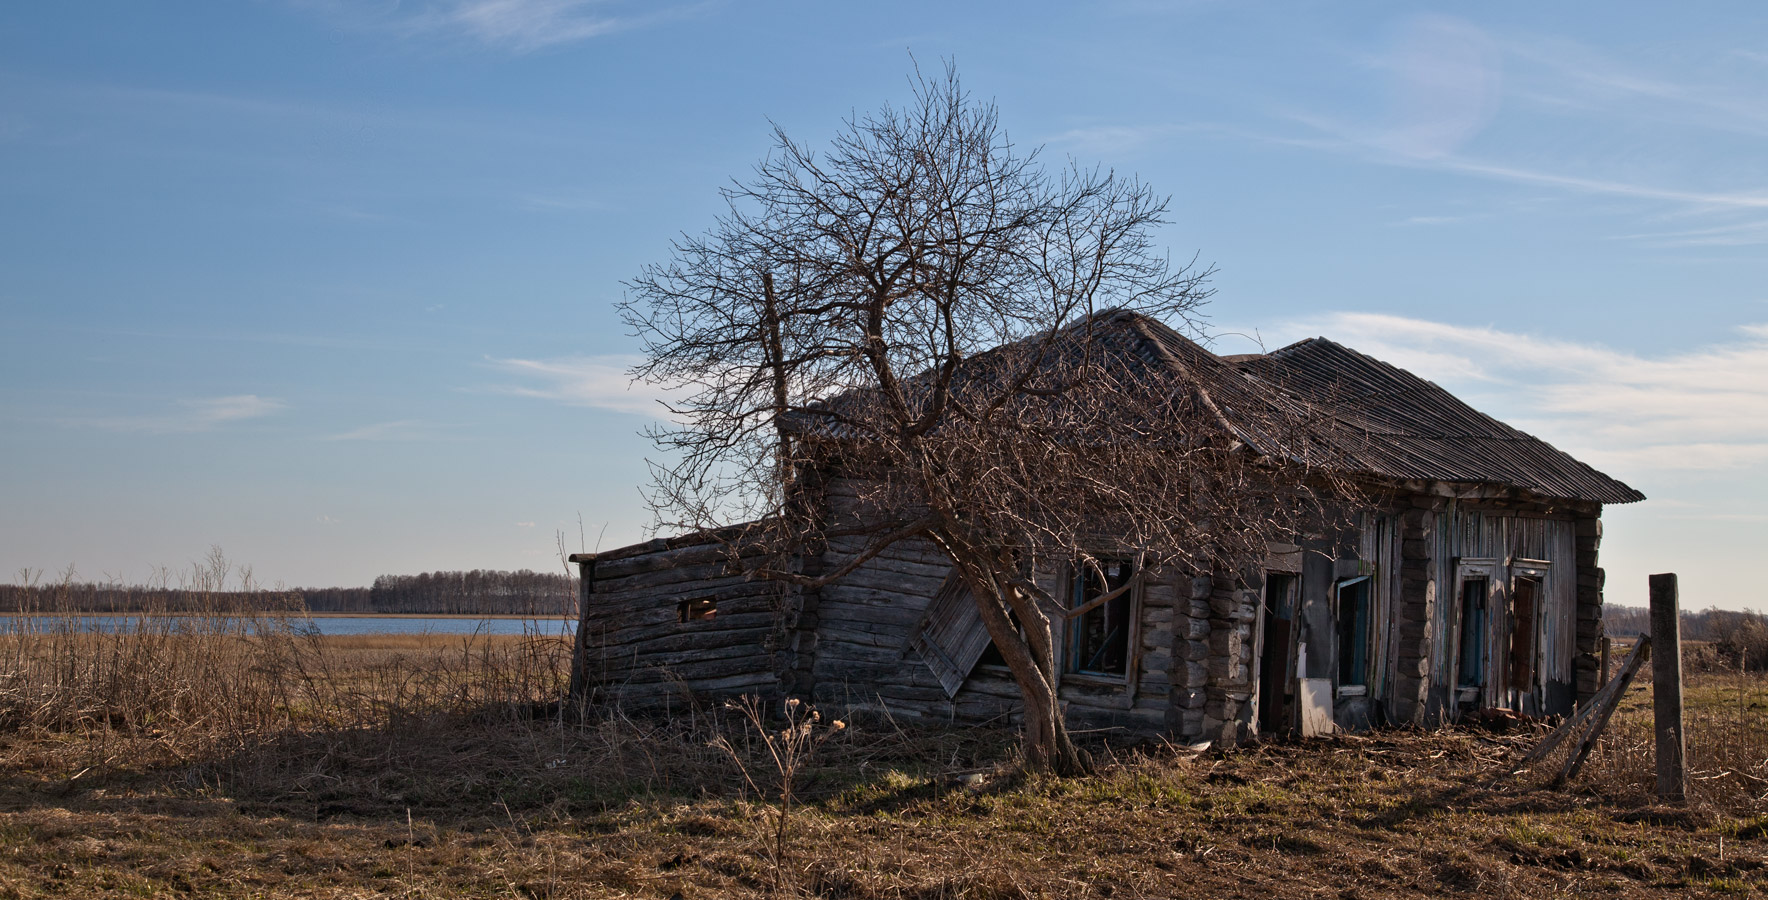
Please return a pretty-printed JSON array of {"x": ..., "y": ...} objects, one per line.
[{"x": 404, "y": 803}]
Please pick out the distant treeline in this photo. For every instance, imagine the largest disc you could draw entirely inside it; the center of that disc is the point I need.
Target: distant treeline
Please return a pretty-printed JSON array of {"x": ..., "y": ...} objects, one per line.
[
  {"x": 1739, "y": 637},
  {"x": 480, "y": 592}
]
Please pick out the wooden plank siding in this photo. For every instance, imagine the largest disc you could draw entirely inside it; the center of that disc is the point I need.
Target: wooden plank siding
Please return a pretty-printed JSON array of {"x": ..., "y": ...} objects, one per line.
[{"x": 1465, "y": 531}]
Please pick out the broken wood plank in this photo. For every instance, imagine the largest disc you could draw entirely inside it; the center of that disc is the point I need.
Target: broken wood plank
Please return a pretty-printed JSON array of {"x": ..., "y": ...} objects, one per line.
[
  {"x": 1588, "y": 742},
  {"x": 1602, "y": 697}
]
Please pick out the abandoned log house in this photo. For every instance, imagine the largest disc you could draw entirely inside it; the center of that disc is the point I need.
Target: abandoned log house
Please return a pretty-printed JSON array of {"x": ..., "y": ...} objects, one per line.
[{"x": 1471, "y": 583}]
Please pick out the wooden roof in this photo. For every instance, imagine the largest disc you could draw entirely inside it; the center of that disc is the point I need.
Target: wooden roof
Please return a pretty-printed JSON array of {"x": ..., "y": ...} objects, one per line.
[
  {"x": 1324, "y": 404},
  {"x": 1379, "y": 419}
]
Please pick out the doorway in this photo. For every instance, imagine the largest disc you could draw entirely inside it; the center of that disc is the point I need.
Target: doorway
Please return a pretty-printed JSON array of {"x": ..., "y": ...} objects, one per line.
[{"x": 1276, "y": 676}]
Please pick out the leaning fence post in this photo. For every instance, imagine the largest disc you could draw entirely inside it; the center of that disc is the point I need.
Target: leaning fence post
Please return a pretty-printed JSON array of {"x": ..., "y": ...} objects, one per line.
[{"x": 1666, "y": 689}]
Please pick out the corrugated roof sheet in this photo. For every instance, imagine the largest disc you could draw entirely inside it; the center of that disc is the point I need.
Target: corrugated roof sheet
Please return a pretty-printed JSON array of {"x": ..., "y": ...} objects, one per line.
[
  {"x": 1361, "y": 415},
  {"x": 1345, "y": 411},
  {"x": 1417, "y": 430}
]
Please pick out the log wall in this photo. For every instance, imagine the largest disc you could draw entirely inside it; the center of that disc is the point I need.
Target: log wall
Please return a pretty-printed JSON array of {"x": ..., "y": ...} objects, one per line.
[
  {"x": 1193, "y": 673},
  {"x": 638, "y": 653}
]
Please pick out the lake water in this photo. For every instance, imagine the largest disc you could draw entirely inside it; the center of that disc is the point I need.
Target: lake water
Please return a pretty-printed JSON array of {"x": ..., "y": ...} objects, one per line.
[{"x": 332, "y": 624}]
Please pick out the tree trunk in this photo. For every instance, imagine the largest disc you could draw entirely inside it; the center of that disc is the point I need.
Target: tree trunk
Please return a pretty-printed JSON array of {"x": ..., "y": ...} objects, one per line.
[{"x": 1029, "y": 652}]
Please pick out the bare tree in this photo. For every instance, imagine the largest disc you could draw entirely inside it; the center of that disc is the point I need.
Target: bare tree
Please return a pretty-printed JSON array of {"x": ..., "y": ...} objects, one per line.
[{"x": 961, "y": 336}]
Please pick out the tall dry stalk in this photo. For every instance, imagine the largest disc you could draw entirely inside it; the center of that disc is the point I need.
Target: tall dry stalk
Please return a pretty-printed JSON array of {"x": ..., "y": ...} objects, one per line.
[{"x": 790, "y": 750}]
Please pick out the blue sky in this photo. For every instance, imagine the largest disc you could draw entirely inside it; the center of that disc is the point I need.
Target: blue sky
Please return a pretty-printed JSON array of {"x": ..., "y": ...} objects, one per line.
[{"x": 331, "y": 284}]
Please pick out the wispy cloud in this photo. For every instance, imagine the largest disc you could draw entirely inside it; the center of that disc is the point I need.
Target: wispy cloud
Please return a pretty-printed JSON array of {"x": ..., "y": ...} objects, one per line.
[
  {"x": 515, "y": 25},
  {"x": 1705, "y": 408},
  {"x": 1449, "y": 85},
  {"x": 601, "y": 382},
  {"x": 1433, "y": 220},
  {"x": 397, "y": 430},
  {"x": 192, "y": 415},
  {"x": 562, "y": 203},
  {"x": 1736, "y": 234},
  {"x": 1572, "y": 75},
  {"x": 1107, "y": 141},
  {"x": 1749, "y": 199}
]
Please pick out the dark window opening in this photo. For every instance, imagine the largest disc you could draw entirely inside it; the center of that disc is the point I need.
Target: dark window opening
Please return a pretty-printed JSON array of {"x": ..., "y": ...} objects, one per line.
[
  {"x": 1524, "y": 604},
  {"x": 991, "y": 656},
  {"x": 696, "y": 609},
  {"x": 1472, "y": 667},
  {"x": 1099, "y": 639},
  {"x": 1353, "y": 632}
]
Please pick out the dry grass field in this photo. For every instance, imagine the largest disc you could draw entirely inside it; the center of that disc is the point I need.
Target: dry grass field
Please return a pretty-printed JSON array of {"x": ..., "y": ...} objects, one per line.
[{"x": 219, "y": 764}]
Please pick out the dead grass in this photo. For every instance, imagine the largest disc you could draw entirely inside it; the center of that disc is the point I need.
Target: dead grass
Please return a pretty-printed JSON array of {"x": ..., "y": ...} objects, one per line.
[
  {"x": 433, "y": 766},
  {"x": 1726, "y": 717}
]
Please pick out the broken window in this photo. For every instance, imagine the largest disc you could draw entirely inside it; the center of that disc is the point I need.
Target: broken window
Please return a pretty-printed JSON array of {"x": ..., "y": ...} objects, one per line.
[
  {"x": 1472, "y": 666},
  {"x": 1353, "y": 631},
  {"x": 696, "y": 609},
  {"x": 1099, "y": 637}
]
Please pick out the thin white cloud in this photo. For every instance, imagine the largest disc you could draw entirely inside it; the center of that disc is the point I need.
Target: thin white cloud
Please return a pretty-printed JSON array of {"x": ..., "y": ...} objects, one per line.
[
  {"x": 1449, "y": 81},
  {"x": 516, "y": 25},
  {"x": 1737, "y": 234},
  {"x": 601, "y": 382},
  {"x": 192, "y": 415},
  {"x": 1750, "y": 199},
  {"x": 1445, "y": 75},
  {"x": 524, "y": 24},
  {"x": 1107, "y": 140},
  {"x": 1702, "y": 409},
  {"x": 1433, "y": 220},
  {"x": 562, "y": 203},
  {"x": 397, "y": 430},
  {"x": 1574, "y": 76}
]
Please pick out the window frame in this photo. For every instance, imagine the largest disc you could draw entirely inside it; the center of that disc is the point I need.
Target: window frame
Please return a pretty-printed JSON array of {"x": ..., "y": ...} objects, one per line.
[
  {"x": 1536, "y": 571},
  {"x": 1490, "y": 569},
  {"x": 1482, "y": 633},
  {"x": 1360, "y": 686},
  {"x": 1072, "y": 574}
]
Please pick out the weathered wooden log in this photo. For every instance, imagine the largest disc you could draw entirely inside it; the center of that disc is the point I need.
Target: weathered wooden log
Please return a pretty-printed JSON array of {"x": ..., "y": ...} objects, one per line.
[
  {"x": 860, "y": 634},
  {"x": 698, "y": 554},
  {"x": 841, "y": 659},
  {"x": 659, "y": 578},
  {"x": 627, "y": 635},
  {"x": 913, "y": 567},
  {"x": 865, "y": 591},
  {"x": 871, "y": 607},
  {"x": 696, "y": 638},
  {"x": 1599, "y": 720},
  {"x": 717, "y": 589},
  {"x": 1666, "y": 689},
  {"x": 631, "y": 692},
  {"x": 691, "y": 671},
  {"x": 678, "y": 660},
  {"x": 1607, "y": 696}
]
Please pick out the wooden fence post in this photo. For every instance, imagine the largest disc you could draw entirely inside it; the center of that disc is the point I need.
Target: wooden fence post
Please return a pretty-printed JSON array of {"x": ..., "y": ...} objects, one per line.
[
  {"x": 1602, "y": 678},
  {"x": 1666, "y": 688}
]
